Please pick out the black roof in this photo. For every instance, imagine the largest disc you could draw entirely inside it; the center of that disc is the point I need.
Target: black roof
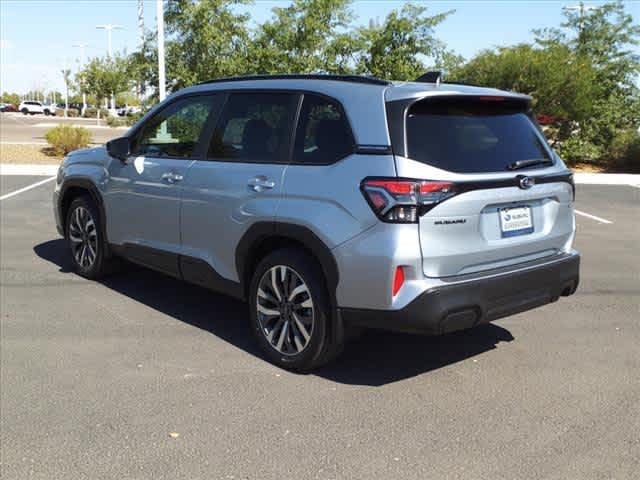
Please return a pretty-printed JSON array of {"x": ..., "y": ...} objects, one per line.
[{"x": 306, "y": 76}]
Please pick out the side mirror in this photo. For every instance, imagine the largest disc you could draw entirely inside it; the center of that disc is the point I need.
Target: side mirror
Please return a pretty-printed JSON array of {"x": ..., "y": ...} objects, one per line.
[{"x": 119, "y": 148}]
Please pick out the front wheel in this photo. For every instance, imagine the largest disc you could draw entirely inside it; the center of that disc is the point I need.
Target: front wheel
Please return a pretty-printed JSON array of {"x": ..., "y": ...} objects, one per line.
[
  {"x": 86, "y": 239},
  {"x": 47, "y": 113},
  {"x": 24, "y": 111},
  {"x": 291, "y": 312}
]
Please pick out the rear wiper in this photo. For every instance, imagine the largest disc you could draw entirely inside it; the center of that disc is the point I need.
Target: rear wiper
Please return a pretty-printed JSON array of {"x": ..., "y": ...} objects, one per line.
[{"x": 529, "y": 163}]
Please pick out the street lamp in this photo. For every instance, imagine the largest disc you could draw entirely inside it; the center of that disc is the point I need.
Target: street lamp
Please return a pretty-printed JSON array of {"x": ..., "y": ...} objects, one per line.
[
  {"x": 162, "y": 92},
  {"x": 582, "y": 8},
  {"x": 82, "y": 46},
  {"x": 109, "y": 27}
]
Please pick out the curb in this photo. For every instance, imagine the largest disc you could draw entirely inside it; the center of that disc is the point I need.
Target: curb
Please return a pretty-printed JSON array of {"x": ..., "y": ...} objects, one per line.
[
  {"x": 28, "y": 169},
  {"x": 607, "y": 179}
]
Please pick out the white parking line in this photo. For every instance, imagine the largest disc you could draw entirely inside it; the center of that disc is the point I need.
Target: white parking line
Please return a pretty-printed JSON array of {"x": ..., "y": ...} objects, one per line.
[
  {"x": 593, "y": 217},
  {"x": 34, "y": 185}
]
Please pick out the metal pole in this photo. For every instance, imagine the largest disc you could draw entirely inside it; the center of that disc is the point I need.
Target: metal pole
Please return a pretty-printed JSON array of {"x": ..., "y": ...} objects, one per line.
[
  {"x": 162, "y": 91},
  {"x": 82, "y": 59}
]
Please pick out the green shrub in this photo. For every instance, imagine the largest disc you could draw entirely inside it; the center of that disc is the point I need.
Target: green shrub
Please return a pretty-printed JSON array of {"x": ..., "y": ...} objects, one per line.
[
  {"x": 117, "y": 122},
  {"x": 134, "y": 117},
  {"x": 625, "y": 151},
  {"x": 71, "y": 112},
  {"x": 65, "y": 138},
  {"x": 92, "y": 112}
]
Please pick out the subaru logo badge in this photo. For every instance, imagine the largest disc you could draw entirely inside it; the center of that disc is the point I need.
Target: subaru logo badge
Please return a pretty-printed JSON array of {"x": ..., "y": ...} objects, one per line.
[{"x": 527, "y": 182}]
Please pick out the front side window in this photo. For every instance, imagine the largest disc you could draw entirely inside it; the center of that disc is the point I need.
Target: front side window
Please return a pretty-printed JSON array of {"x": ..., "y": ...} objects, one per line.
[
  {"x": 323, "y": 135},
  {"x": 254, "y": 127},
  {"x": 176, "y": 130}
]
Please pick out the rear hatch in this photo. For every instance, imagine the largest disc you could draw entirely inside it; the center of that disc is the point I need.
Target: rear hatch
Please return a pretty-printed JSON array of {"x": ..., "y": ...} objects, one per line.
[{"x": 506, "y": 199}]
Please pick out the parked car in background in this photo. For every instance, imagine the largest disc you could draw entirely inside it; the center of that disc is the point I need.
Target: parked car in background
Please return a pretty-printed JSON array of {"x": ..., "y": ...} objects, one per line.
[
  {"x": 8, "y": 107},
  {"x": 331, "y": 203},
  {"x": 128, "y": 110},
  {"x": 32, "y": 107}
]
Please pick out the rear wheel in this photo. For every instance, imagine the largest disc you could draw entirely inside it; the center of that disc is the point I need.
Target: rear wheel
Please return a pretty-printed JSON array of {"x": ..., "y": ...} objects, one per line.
[
  {"x": 47, "y": 113},
  {"x": 291, "y": 312},
  {"x": 86, "y": 239}
]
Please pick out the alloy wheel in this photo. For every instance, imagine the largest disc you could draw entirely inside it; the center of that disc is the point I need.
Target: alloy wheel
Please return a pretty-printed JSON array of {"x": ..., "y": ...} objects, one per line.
[
  {"x": 83, "y": 237},
  {"x": 285, "y": 310}
]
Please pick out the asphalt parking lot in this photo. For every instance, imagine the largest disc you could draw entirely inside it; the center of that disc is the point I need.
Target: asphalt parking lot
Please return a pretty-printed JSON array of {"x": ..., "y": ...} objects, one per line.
[
  {"x": 142, "y": 377},
  {"x": 19, "y": 128}
]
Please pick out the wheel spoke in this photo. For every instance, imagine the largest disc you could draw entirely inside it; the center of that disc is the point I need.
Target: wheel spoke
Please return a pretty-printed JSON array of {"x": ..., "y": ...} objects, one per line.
[
  {"x": 283, "y": 334},
  {"x": 308, "y": 303},
  {"x": 268, "y": 311},
  {"x": 271, "y": 333},
  {"x": 266, "y": 296},
  {"x": 274, "y": 284},
  {"x": 301, "y": 328},
  {"x": 297, "y": 291}
]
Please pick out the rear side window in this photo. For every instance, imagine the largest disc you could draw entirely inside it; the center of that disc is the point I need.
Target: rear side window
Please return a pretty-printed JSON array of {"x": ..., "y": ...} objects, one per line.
[
  {"x": 254, "y": 127},
  {"x": 323, "y": 135},
  {"x": 472, "y": 135}
]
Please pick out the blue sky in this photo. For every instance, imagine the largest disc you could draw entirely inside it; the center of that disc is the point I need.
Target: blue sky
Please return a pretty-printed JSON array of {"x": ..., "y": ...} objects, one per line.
[{"x": 36, "y": 36}]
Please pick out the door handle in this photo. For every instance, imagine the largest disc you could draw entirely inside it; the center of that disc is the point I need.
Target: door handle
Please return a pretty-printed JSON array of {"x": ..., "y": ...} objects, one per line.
[
  {"x": 172, "y": 177},
  {"x": 260, "y": 183}
]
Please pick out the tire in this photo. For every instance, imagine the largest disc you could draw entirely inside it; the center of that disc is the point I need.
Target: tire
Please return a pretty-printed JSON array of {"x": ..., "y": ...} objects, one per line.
[
  {"x": 295, "y": 332},
  {"x": 24, "y": 111},
  {"x": 83, "y": 229},
  {"x": 47, "y": 113}
]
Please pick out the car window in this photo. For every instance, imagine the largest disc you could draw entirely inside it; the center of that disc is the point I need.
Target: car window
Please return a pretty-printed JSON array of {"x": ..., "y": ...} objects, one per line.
[
  {"x": 254, "y": 127},
  {"x": 470, "y": 135},
  {"x": 175, "y": 131},
  {"x": 323, "y": 135}
]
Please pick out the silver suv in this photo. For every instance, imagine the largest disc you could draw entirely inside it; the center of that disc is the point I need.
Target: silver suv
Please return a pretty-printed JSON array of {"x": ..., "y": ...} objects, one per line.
[{"x": 332, "y": 203}]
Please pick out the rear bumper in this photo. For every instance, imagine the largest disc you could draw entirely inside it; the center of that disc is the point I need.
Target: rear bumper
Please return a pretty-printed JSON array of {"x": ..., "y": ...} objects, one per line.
[{"x": 471, "y": 300}]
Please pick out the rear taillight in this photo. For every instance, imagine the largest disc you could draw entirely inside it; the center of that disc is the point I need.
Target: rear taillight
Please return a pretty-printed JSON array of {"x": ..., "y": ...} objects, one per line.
[{"x": 398, "y": 200}]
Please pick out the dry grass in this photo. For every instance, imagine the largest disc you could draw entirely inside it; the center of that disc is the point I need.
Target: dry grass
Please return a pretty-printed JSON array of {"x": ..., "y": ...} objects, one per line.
[
  {"x": 589, "y": 168},
  {"x": 33, "y": 154}
]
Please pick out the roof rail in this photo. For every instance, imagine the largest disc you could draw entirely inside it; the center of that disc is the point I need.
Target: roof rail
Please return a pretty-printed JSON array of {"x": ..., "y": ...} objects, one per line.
[
  {"x": 431, "y": 77},
  {"x": 308, "y": 76}
]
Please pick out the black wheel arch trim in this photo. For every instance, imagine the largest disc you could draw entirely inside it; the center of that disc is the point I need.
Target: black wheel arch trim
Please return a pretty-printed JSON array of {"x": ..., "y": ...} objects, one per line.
[
  {"x": 89, "y": 186},
  {"x": 262, "y": 231}
]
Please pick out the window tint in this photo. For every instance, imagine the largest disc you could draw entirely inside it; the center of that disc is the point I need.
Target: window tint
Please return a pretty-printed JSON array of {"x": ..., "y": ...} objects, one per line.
[
  {"x": 175, "y": 131},
  {"x": 472, "y": 136},
  {"x": 254, "y": 127},
  {"x": 323, "y": 135}
]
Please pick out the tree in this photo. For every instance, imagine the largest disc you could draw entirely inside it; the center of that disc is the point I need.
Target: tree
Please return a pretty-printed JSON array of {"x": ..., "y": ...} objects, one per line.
[
  {"x": 13, "y": 98},
  {"x": 307, "y": 36},
  {"x": 606, "y": 36},
  {"x": 106, "y": 76},
  {"x": 396, "y": 48},
  {"x": 561, "y": 83},
  {"x": 208, "y": 39}
]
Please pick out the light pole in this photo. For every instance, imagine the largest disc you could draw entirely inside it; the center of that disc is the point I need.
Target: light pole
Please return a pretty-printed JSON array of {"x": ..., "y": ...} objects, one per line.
[
  {"x": 582, "y": 8},
  {"x": 109, "y": 27},
  {"x": 82, "y": 46},
  {"x": 162, "y": 91}
]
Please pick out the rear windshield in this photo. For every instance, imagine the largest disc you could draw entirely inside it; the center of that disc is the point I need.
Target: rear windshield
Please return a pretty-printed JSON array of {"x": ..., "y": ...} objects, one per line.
[{"x": 472, "y": 135}]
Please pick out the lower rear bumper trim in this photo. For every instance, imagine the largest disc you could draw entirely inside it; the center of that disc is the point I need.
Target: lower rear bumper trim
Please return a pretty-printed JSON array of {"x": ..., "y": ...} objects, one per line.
[{"x": 467, "y": 304}]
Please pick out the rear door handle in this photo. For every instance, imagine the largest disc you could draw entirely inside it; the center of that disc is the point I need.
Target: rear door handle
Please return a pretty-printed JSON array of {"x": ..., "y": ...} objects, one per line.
[
  {"x": 172, "y": 177},
  {"x": 260, "y": 183}
]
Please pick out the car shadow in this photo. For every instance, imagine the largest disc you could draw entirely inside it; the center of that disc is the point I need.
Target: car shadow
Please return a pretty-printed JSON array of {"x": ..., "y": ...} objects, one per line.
[{"x": 375, "y": 358}]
